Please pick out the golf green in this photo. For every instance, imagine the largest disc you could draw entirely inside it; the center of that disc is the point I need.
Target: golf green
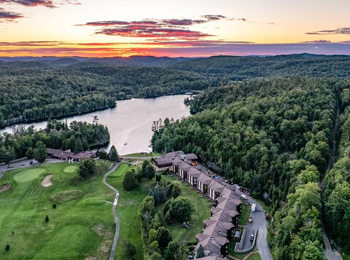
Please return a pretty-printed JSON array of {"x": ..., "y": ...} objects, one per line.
[
  {"x": 70, "y": 169},
  {"x": 28, "y": 175}
]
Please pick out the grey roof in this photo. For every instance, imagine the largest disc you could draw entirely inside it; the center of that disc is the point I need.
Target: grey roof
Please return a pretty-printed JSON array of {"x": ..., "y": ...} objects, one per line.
[
  {"x": 224, "y": 216},
  {"x": 209, "y": 244},
  {"x": 216, "y": 230},
  {"x": 203, "y": 178},
  {"x": 185, "y": 166},
  {"x": 168, "y": 158},
  {"x": 194, "y": 172},
  {"x": 228, "y": 204},
  {"x": 215, "y": 186},
  {"x": 213, "y": 258},
  {"x": 191, "y": 156}
]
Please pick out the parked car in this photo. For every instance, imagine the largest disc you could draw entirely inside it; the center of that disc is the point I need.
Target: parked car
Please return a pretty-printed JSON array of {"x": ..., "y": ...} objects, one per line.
[
  {"x": 251, "y": 237},
  {"x": 244, "y": 197}
]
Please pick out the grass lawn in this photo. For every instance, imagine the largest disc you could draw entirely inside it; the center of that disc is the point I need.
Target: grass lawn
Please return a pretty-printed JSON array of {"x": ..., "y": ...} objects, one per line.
[
  {"x": 128, "y": 204},
  {"x": 202, "y": 212},
  {"x": 152, "y": 154},
  {"x": 231, "y": 252},
  {"x": 243, "y": 219},
  {"x": 82, "y": 225}
]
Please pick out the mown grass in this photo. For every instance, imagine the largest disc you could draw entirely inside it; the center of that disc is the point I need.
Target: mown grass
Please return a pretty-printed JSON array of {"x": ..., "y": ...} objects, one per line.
[
  {"x": 128, "y": 204},
  {"x": 243, "y": 219},
  {"x": 76, "y": 229},
  {"x": 201, "y": 212},
  {"x": 142, "y": 155}
]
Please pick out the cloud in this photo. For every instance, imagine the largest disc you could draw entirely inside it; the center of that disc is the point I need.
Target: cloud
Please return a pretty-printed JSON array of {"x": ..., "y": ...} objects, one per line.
[
  {"x": 169, "y": 29},
  {"x": 31, "y": 43},
  {"x": 344, "y": 30},
  {"x": 46, "y": 3},
  {"x": 211, "y": 17},
  {"x": 318, "y": 41},
  {"x": 9, "y": 16}
]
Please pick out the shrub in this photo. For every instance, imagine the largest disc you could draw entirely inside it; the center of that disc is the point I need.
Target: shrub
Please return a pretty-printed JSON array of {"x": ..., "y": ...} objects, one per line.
[
  {"x": 47, "y": 219},
  {"x": 129, "y": 182},
  {"x": 7, "y": 248},
  {"x": 54, "y": 206},
  {"x": 129, "y": 250}
]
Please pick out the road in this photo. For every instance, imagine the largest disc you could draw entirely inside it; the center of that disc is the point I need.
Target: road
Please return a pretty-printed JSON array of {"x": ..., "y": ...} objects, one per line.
[
  {"x": 117, "y": 221},
  {"x": 22, "y": 164},
  {"x": 260, "y": 224},
  {"x": 329, "y": 253}
]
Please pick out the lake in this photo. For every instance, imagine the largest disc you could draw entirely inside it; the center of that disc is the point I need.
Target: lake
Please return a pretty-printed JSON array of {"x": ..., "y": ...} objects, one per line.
[{"x": 130, "y": 122}]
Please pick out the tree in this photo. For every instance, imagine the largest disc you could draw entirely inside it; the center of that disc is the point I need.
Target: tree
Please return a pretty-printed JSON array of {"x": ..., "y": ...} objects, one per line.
[
  {"x": 180, "y": 209},
  {"x": 144, "y": 165},
  {"x": 30, "y": 153},
  {"x": 163, "y": 237},
  {"x": 147, "y": 211},
  {"x": 87, "y": 168},
  {"x": 200, "y": 252},
  {"x": 40, "y": 151},
  {"x": 6, "y": 155},
  {"x": 130, "y": 251},
  {"x": 150, "y": 172},
  {"x": 113, "y": 155},
  {"x": 158, "y": 178},
  {"x": 129, "y": 182},
  {"x": 47, "y": 219},
  {"x": 7, "y": 248},
  {"x": 176, "y": 190},
  {"x": 173, "y": 251}
]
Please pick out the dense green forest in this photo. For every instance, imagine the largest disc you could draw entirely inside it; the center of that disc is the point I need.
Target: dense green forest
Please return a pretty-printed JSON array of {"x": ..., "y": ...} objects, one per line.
[
  {"x": 242, "y": 68},
  {"x": 40, "y": 88},
  {"x": 32, "y": 91},
  {"x": 77, "y": 137},
  {"x": 272, "y": 136}
]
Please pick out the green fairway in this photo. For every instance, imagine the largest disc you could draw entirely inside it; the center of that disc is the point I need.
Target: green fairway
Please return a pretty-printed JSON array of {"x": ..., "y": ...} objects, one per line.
[
  {"x": 70, "y": 169},
  {"x": 28, "y": 175},
  {"x": 81, "y": 227}
]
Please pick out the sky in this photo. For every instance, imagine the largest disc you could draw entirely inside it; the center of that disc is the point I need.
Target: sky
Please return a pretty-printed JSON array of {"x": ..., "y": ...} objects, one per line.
[{"x": 173, "y": 28}]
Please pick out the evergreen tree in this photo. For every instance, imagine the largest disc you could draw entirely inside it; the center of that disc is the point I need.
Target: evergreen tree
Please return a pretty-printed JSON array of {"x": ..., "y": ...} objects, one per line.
[
  {"x": 113, "y": 155},
  {"x": 200, "y": 252}
]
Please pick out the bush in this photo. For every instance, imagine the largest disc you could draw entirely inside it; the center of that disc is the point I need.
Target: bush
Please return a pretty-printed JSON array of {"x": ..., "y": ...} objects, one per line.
[
  {"x": 158, "y": 178},
  {"x": 47, "y": 219},
  {"x": 129, "y": 250},
  {"x": 150, "y": 172},
  {"x": 87, "y": 168},
  {"x": 54, "y": 206},
  {"x": 129, "y": 182},
  {"x": 7, "y": 248}
]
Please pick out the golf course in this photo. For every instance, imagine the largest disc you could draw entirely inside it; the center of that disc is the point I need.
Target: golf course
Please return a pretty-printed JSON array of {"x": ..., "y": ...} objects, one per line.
[{"x": 79, "y": 226}]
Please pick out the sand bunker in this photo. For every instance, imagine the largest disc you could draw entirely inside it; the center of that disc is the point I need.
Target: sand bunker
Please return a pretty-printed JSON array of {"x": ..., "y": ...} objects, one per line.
[
  {"x": 47, "y": 181},
  {"x": 5, "y": 187}
]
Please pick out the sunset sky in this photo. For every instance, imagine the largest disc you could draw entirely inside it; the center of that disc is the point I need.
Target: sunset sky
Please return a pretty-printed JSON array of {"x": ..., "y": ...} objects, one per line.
[{"x": 191, "y": 28}]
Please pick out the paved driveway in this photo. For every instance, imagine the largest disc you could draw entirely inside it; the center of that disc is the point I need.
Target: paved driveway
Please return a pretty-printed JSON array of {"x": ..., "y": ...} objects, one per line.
[{"x": 260, "y": 224}]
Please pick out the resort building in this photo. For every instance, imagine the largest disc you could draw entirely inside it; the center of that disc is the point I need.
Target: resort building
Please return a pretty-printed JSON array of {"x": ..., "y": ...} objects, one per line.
[{"x": 219, "y": 229}]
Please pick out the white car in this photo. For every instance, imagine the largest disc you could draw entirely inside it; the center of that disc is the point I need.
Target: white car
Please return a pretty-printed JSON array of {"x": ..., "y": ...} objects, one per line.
[{"x": 244, "y": 197}]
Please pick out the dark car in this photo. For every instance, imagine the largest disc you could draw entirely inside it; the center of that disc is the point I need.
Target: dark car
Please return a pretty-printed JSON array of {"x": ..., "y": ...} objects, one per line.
[{"x": 251, "y": 237}]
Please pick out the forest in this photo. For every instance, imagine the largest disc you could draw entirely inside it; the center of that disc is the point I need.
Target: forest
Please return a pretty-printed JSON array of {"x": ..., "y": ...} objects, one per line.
[
  {"x": 31, "y": 91},
  {"x": 276, "y": 136},
  {"x": 77, "y": 137},
  {"x": 35, "y": 89}
]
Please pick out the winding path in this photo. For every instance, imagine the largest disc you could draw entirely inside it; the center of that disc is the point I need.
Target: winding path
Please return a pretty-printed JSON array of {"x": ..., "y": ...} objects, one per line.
[{"x": 117, "y": 222}]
